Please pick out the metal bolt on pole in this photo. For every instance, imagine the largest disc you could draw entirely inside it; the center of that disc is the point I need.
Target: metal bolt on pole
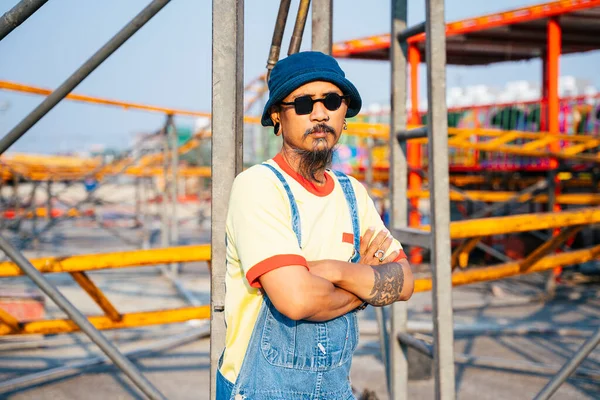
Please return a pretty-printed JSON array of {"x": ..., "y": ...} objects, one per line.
[
  {"x": 95, "y": 335},
  {"x": 87, "y": 68}
]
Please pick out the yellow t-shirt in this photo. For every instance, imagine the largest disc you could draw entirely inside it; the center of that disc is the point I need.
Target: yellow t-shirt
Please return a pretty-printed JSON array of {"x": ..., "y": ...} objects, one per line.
[{"x": 260, "y": 238}]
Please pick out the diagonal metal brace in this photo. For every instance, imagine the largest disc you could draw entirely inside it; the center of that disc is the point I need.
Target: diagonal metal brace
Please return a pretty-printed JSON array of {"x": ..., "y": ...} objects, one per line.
[
  {"x": 17, "y": 15},
  {"x": 554, "y": 243}
]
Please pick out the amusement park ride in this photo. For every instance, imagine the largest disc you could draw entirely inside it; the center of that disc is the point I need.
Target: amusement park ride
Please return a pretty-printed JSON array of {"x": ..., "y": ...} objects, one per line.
[{"x": 515, "y": 169}]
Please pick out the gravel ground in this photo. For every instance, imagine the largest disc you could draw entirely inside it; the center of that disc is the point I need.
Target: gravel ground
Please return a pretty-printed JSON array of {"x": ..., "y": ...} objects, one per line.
[{"x": 182, "y": 372}]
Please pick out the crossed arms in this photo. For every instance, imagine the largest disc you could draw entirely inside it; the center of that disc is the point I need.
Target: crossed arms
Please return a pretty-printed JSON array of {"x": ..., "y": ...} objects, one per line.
[{"x": 332, "y": 288}]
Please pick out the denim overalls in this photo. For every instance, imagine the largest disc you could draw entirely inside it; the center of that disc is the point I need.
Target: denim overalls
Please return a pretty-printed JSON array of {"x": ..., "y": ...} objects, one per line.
[{"x": 298, "y": 360}]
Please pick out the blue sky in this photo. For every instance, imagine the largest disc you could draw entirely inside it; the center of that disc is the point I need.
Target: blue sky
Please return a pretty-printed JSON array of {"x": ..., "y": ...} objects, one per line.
[{"x": 168, "y": 62}]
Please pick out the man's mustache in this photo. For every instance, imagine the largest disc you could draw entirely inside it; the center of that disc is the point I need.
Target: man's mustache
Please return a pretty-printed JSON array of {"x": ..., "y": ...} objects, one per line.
[{"x": 320, "y": 128}]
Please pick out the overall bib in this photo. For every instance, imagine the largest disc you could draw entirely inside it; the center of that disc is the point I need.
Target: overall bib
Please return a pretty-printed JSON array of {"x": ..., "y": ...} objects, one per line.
[{"x": 312, "y": 358}]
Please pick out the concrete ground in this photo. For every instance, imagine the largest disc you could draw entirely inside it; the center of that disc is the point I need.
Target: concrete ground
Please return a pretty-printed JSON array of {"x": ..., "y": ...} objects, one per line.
[{"x": 182, "y": 372}]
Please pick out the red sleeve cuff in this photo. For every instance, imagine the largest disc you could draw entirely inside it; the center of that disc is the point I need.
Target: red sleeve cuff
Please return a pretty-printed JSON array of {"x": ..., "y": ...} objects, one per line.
[
  {"x": 271, "y": 263},
  {"x": 401, "y": 255}
]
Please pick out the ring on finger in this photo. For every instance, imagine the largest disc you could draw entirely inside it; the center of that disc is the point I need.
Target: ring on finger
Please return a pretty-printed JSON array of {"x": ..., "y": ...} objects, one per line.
[{"x": 380, "y": 255}]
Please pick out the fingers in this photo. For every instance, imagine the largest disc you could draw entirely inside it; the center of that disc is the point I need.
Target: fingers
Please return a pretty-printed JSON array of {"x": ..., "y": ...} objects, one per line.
[
  {"x": 365, "y": 240},
  {"x": 386, "y": 243},
  {"x": 391, "y": 257},
  {"x": 377, "y": 242}
]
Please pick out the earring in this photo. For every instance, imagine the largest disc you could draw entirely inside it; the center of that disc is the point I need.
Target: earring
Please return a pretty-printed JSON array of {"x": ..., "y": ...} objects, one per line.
[
  {"x": 276, "y": 128},
  {"x": 345, "y": 125}
]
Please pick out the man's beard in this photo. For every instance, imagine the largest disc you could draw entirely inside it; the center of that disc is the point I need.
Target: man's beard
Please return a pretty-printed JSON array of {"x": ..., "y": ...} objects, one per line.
[{"x": 317, "y": 159}]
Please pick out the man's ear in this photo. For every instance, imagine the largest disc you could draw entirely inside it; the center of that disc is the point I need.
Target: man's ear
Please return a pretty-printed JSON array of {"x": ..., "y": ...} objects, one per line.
[{"x": 276, "y": 121}]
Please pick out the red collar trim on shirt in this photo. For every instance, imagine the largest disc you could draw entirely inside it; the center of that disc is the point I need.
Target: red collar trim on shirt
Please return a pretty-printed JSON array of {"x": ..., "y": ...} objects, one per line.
[{"x": 320, "y": 191}]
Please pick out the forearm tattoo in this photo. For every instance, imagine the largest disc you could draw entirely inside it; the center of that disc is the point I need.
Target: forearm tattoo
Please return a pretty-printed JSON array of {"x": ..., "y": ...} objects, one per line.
[{"x": 389, "y": 281}]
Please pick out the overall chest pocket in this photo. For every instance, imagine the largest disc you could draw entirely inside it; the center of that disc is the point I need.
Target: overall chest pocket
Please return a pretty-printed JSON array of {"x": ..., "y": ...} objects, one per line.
[{"x": 305, "y": 345}]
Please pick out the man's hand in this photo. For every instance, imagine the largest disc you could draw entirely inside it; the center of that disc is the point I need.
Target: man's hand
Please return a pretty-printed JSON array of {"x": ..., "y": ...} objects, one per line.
[
  {"x": 377, "y": 281},
  {"x": 371, "y": 248},
  {"x": 368, "y": 247}
]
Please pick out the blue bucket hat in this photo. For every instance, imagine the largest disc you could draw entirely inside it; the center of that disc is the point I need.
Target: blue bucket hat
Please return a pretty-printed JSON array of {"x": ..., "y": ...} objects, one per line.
[{"x": 308, "y": 66}]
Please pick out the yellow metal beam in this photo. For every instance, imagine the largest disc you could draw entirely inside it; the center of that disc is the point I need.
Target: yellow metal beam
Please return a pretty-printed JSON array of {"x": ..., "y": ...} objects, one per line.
[
  {"x": 96, "y": 294},
  {"x": 514, "y": 268},
  {"x": 581, "y": 147},
  {"x": 522, "y": 223},
  {"x": 123, "y": 259},
  {"x": 458, "y": 230},
  {"x": 536, "y": 144},
  {"x": 131, "y": 320},
  {"x": 460, "y": 256},
  {"x": 503, "y": 196},
  {"x": 11, "y": 322},
  {"x": 548, "y": 247},
  {"x": 501, "y": 140}
]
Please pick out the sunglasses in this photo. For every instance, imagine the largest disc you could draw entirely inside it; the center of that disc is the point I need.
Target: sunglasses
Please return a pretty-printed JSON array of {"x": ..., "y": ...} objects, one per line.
[{"x": 304, "y": 105}]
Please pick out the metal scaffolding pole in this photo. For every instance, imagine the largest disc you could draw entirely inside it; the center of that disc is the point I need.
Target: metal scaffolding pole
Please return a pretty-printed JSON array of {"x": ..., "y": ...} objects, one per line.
[
  {"x": 298, "y": 32},
  {"x": 322, "y": 13},
  {"x": 87, "y": 68},
  {"x": 398, "y": 182},
  {"x": 569, "y": 367},
  {"x": 275, "y": 49},
  {"x": 165, "y": 231},
  {"x": 437, "y": 118},
  {"x": 18, "y": 14},
  {"x": 174, "y": 232},
  {"x": 227, "y": 145},
  {"x": 95, "y": 335},
  {"x": 49, "y": 200}
]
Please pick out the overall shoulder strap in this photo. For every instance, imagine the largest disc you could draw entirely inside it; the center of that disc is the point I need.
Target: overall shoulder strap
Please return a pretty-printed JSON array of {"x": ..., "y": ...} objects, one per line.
[
  {"x": 353, "y": 208},
  {"x": 294, "y": 207}
]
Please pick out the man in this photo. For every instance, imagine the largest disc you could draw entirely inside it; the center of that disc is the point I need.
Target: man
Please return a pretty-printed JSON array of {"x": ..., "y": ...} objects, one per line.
[{"x": 306, "y": 248}]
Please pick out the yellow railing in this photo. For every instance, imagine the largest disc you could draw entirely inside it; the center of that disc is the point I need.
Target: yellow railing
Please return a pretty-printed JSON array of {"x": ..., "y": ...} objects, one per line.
[
  {"x": 471, "y": 231},
  {"x": 112, "y": 318}
]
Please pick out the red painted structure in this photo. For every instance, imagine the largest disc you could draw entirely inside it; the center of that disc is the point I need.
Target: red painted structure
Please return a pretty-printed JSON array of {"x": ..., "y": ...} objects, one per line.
[{"x": 542, "y": 31}]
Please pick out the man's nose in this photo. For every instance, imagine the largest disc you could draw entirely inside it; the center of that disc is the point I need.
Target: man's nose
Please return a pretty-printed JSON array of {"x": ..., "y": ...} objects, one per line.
[{"x": 319, "y": 112}]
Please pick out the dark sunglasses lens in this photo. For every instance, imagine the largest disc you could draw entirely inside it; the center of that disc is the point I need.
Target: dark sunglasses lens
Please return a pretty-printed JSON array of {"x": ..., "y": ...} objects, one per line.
[
  {"x": 332, "y": 101},
  {"x": 303, "y": 105}
]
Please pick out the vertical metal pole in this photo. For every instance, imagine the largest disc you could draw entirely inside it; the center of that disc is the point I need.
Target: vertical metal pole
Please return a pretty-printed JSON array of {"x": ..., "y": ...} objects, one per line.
[
  {"x": 553, "y": 65},
  {"x": 369, "y": 179},
  {"x": 569, "y": 367},
  {"x": 544, "y": 102},
  {"x": 298, "y": 32},
  {"x": 172, "y": 129},
  {"x": 274, "y": 50},
  {"x": 398, "y": 367},
  {"x": 165, "y": 234},
  {"x": 16, "y": 200},
  {"x": 226, "y": 158},
  {"x": 414, "y": 149},
  {"x": 34, "y": 221},
  {"x": 49, "y": 200},
  {"x": 148, "y": 216},
  {"x": 322, "y": 17},
  {"x": 17, "y": 15},
  {"x": 138, "y": 201},
  {"x": 437, "y": 119}
]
